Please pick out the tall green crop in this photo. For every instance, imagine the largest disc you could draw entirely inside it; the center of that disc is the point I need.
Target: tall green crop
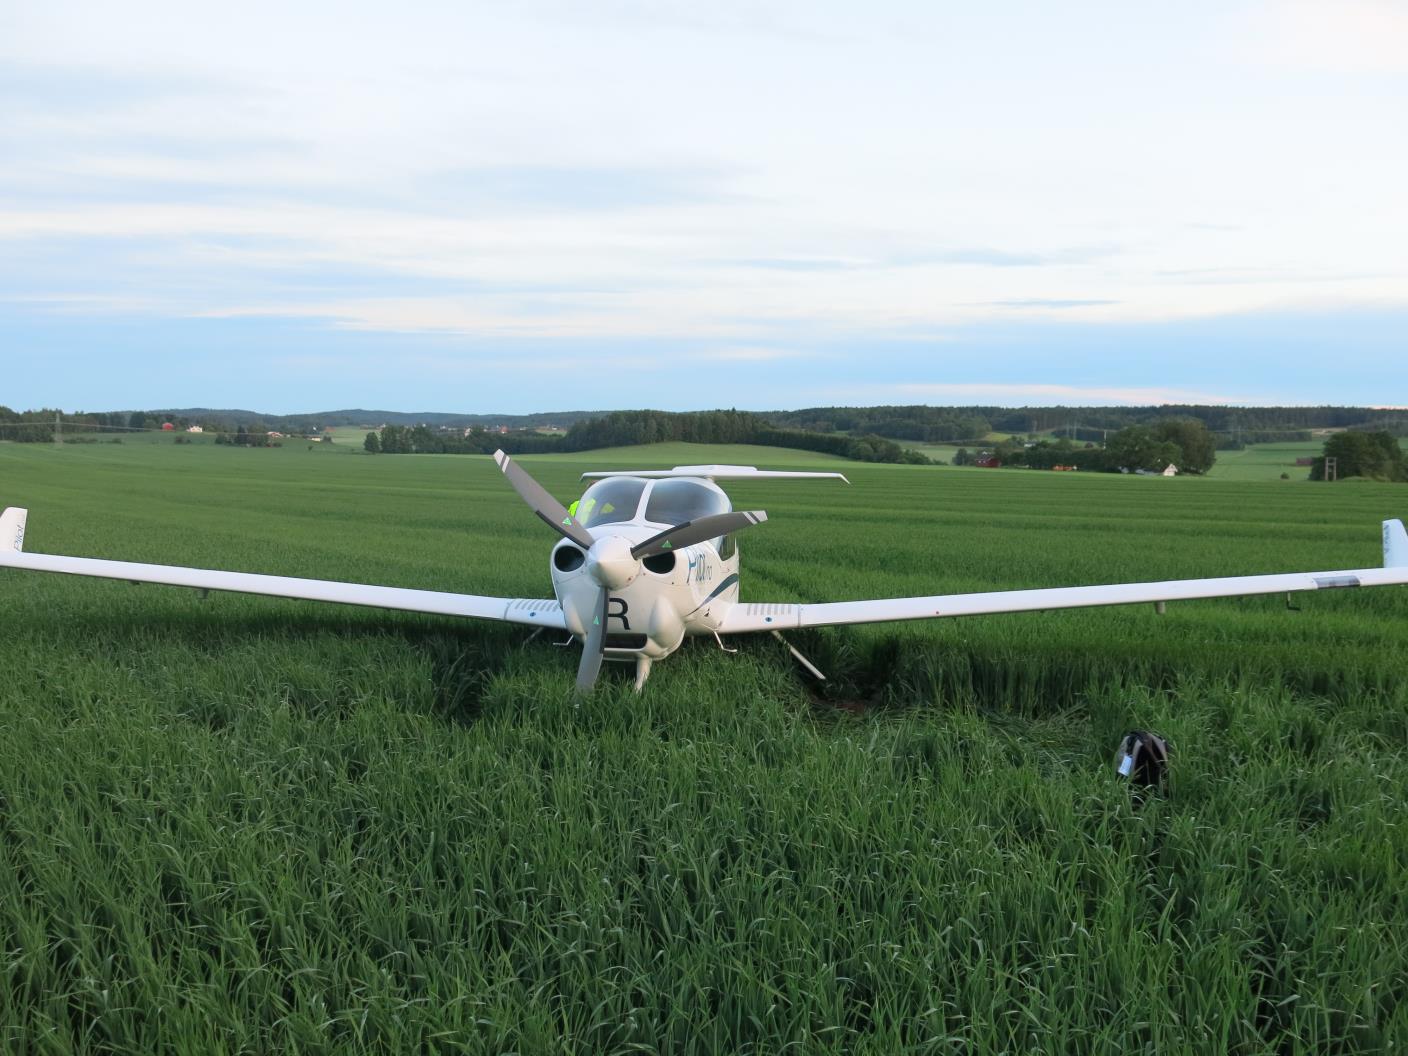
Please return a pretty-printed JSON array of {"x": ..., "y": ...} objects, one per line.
[{"x": 252, "y": 825}]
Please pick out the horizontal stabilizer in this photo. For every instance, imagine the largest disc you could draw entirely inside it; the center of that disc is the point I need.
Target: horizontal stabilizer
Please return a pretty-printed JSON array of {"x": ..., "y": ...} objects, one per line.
[
  {"x": 1395, "y": 545},
  {"x": 12, "y": 528},
  {"x": 717, "y": 473}
]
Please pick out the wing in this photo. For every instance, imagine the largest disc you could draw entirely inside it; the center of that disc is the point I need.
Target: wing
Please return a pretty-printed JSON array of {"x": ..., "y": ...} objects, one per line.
[
  {"x": 528, "y": 611},
  {"x": 744, "y": 617}
]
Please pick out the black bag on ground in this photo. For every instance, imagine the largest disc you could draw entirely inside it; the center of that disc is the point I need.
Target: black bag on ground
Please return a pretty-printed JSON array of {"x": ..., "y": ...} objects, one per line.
[{"x": 1143, "y": 759}]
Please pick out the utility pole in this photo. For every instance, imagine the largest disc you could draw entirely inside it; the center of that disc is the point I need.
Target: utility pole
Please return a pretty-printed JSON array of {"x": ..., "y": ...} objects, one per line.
[{"x": 58, "y": 428}]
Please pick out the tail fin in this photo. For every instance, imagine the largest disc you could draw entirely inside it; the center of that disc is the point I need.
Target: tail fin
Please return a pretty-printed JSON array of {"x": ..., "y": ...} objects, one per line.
[
  {"x": 1395, "y": 545},
  {"x": 12, "y": 528}
]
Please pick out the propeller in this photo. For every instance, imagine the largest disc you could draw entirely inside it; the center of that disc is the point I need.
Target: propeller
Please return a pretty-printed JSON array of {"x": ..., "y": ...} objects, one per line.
[
  {"x": 610, "y": 562},
  {"x": 696, "y": 531},
  {"x": 553, "y": 513},
  {"x": 594, "y": 648}
]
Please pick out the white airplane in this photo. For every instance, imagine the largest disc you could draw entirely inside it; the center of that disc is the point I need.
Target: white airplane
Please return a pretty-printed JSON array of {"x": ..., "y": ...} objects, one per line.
[{"x": 647, "y": 558}]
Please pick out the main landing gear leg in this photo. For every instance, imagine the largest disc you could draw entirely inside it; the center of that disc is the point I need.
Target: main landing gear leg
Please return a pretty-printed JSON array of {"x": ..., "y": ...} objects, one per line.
[
  {"x": 800, "y": 658},
  {"x": 642, "y": 671}
]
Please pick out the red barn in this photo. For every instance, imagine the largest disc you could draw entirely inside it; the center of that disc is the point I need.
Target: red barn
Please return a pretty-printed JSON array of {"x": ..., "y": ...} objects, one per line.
[{"x": 988, "y": 462}]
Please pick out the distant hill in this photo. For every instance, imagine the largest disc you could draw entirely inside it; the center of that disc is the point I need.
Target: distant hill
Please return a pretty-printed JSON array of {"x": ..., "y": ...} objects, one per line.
[
  {"x": 974, "y": 426},
  {"x": 931, "y": 424},
  {"x": 371, "y": 418}
]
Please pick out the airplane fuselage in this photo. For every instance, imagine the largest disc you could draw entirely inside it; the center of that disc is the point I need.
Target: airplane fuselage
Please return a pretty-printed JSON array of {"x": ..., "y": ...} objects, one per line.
[{"x": 652, "y": 604}]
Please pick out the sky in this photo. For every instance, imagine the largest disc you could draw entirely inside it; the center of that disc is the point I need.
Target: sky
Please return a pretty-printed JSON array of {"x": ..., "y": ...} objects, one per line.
[{"x": 563, "y": 205}]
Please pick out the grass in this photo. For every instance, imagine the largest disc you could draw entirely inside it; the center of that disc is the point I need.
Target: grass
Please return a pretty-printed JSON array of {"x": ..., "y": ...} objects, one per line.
[
  {"x": 250, "y": 825},
  {"x": 1266, "y": 461}
]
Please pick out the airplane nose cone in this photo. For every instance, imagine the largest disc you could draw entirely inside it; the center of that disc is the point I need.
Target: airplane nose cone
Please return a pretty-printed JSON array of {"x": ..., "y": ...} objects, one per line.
[{"x": 610, "y": 563}]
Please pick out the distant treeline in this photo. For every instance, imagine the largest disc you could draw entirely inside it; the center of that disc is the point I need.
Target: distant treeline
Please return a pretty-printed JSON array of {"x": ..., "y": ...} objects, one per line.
[
  {"x": 87, "y": 427},
  {"x": 1182, "y": 442},
  {"x": 38, "y": 426},
  {"x": 628, "y": 428},
  {"x": 866, "y": 433},
  {"x": 1363, "y": 455},
  {"x": 27, "y": 427},
  {"x": 229, "y": 419},
  {"x": 915, "y": 423},
  {"x": 1235, "y": 426}
]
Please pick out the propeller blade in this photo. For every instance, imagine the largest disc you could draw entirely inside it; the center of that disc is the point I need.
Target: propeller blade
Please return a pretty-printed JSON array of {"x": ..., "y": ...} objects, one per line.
[
  {"x": 692, "y": 532},
  {"x": 594, "y": 646},
  {"x": 553, "y": 513}
]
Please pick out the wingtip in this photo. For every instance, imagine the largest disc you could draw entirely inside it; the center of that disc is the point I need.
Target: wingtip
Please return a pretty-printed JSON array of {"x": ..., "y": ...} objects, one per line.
[
  {"x": 500, "y": 458},
  {"x": 12, "y": 528},
  {"x": 1395, "y": 544}
]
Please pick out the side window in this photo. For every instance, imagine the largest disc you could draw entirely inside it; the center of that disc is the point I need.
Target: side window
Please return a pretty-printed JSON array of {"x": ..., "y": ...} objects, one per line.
[
  {"x": 677, "y": 501},
  {"x": 727, "y": 547}
]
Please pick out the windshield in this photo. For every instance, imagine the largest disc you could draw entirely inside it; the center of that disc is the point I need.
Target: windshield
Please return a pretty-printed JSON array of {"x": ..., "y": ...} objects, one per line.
[
  {"x": 677, "y": 501},
  {"x": 609, "y": 501}
]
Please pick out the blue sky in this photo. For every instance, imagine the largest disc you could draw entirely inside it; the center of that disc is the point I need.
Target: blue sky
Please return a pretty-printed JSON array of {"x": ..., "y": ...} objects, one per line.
[{"x": 549, "y": 205}]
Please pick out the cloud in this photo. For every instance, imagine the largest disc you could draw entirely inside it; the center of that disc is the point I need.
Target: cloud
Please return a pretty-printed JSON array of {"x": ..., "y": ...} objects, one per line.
[
  {"x": 993, "y": 258},
  {"x": 572, "y": 187},
  {"x": 1046, "y": 302},
  {"x": 747, "y": 354},
  {"x": 57, "y": 88},
  {"x": 1343, "y": 36},
  {"x": 799, "y": 263},
  {"x": 540, "y": 172}
]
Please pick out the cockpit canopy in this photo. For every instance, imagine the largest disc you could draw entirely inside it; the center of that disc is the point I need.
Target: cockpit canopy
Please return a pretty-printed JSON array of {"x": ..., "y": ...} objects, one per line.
[{"x": 667, "y": 502}]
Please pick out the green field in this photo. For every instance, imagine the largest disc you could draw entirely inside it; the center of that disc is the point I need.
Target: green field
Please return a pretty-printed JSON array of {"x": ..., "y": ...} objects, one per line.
[
  {"x": 1266, "y": 461},
  {"x": 253, "y": 825}
]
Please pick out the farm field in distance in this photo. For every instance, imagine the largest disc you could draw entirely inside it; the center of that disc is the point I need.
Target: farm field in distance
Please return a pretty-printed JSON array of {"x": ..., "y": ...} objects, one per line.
[
  {"x": 1266, "y": 461},
  {"x": 248, "y": 825}
]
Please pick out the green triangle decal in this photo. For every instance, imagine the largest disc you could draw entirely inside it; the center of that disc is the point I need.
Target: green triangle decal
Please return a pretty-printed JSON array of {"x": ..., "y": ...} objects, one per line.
[{"x": 666, "y": 545}]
